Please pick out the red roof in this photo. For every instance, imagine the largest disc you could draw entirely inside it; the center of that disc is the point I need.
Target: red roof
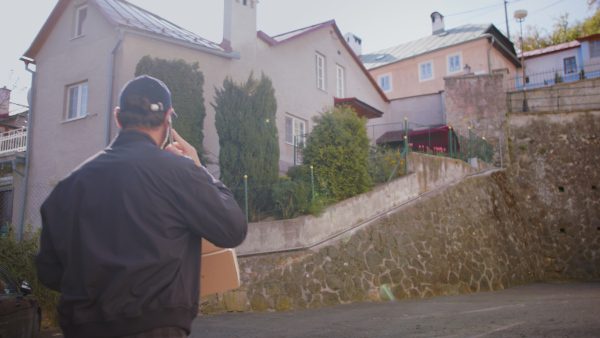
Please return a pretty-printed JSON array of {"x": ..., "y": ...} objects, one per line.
[{"x": 361, "y": 108}]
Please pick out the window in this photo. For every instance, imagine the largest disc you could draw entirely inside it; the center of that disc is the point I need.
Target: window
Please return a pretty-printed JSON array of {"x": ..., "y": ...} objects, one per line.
[
  {"x": 80, "y": 20},
  {"x": 594, "y": 49},
  {"x": 570, "y": 65},
  {"x": 294, "y": 126},
  {"x": 77, "y": 101},
  {"x": 385, "y": 82},
  {"x": 320, "y": 71},
  {"x": 425, "y": 71},
  {"x": 454, "y": 63},
  {"x": 339, "y": 71}
]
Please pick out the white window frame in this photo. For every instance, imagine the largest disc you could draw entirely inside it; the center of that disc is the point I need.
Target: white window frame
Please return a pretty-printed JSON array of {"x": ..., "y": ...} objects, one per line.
[
  {"x": 295, "y": 126},
  {"x": 320, "y": 68},
  {"x": 421, "y": 78},
  {"x": 81, "y": 101},
  {"x": 79, "y": 26},
  {"x": 449, "y": 63},
  {"x": 380, "y": 83},
  {"x": 340, "y": 81}
]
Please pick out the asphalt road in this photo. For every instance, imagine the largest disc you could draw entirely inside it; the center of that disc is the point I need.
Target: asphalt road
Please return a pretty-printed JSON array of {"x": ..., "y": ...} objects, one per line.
[{"x": 534, "y": 310}]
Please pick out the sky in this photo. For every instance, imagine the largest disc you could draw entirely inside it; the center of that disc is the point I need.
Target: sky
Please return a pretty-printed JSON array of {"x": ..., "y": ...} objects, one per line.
[{"x": 379, "y": 23}]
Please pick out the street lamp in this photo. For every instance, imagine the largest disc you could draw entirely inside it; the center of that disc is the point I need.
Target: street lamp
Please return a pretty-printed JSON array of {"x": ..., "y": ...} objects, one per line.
[
  {"x": 520, "y": 16},
  {"x": 467, "y": 69}
]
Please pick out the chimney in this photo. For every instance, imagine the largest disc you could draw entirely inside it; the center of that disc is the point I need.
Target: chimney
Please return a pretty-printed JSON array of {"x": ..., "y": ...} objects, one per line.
[
  {"x": 437, "y": 23},
  {"x": 239, "y": 23},
  {"x": 4, "y": 101},
  {"x": 354, "y": 42}
]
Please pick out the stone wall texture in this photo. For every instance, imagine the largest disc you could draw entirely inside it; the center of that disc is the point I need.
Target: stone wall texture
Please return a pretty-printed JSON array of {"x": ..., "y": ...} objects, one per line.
[
  {"x": 479, "y": 102},
  {"x": 555, "y": 164},
  {"x": 465, "y": 237}
]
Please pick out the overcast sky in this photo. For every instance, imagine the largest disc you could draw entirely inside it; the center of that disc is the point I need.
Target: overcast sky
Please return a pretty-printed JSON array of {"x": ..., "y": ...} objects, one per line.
[{"x": 379, "y": 23}]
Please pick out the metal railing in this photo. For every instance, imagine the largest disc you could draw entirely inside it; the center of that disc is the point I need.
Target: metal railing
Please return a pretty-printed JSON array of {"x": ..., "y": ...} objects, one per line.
[
  {"x": 549, "y": 77},
  {"x": 578, "y": 96},
  {"x": 13, "y": 141}
]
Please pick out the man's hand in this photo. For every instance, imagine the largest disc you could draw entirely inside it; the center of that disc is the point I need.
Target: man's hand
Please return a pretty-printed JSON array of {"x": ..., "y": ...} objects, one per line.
[{"x": 182, "y": 148}]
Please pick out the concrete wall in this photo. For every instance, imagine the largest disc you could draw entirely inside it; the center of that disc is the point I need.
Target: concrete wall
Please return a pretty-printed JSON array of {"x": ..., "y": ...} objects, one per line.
[
  {"x": 405, "y": 74},
  {"x": 569, "y": 96},
  {"x": 429, "y": 172}
]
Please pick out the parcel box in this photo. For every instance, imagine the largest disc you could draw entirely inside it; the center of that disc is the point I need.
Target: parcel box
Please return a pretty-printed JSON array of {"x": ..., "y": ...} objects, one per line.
[{"x": 219, "y": 269}]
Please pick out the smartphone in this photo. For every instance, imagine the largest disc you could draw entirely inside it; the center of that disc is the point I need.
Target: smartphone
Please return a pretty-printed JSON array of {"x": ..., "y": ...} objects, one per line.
[{"x": 170, "y": 130}]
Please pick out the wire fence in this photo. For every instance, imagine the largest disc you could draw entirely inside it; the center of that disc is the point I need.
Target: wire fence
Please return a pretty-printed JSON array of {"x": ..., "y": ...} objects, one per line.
[{"x": 291, "y": 198}]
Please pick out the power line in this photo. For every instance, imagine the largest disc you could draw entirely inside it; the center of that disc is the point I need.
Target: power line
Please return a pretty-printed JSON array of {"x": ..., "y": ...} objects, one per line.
[{"x": 474, "y": 10}]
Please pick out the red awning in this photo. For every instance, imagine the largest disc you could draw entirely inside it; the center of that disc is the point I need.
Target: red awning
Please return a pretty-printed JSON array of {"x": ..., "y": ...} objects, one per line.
[{"x": 361, "y": 108}]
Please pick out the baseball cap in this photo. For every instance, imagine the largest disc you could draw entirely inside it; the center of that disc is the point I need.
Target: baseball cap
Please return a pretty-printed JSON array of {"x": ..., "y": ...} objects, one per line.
[{"x": 154, "y": 90}]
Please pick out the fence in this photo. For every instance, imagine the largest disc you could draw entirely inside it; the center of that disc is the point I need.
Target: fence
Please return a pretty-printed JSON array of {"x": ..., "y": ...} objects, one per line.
[
  {"x": 554, "y": 76},
  {"x": 290, "y": 198},
  {"x": 578, "y": 96},
  {"x": 13, "y": 141}
]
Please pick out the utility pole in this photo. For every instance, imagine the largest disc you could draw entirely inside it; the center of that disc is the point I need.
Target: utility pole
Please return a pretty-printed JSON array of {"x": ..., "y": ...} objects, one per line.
[{"x": 506, "y": 16}]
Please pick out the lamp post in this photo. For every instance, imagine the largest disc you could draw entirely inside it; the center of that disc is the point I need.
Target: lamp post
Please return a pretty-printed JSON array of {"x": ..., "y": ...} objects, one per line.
[{"x": 520, "y": 16}]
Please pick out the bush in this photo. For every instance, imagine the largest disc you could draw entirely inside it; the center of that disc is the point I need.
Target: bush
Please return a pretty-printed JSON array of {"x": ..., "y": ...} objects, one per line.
[
  {"x": 19, "y": 260},
  {"x": 338, "y": 149},
  {"x": 383, "y": 161}
]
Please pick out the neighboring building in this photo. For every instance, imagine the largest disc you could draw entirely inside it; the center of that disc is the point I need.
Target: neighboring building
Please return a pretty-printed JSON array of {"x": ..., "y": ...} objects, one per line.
[
  {"x": 412, "y": 74},
  {"x": 87, "y": 50},
  {"x": 563, "y": 62},
  {"x": 13, "y": 142}
]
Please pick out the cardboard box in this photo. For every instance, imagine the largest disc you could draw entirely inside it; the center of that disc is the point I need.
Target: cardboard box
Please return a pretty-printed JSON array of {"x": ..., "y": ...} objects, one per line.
[{"x": 219, "y": 269}]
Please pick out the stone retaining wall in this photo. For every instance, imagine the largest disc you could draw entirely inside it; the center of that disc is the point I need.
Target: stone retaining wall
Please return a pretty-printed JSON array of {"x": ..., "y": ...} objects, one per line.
[{"x": 465, "y": 237}]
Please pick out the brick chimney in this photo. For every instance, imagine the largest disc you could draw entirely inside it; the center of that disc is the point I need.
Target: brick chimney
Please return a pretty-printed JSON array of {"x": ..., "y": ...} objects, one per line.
[
  {"x": 239, "y": 23},
  {"x": 4, "y": 101},
  {"x": 437, "y": 23}
]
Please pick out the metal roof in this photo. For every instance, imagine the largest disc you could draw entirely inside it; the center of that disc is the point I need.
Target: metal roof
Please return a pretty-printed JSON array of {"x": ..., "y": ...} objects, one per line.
[
  {"x": 425, "y": 45},
  {"x": 123, "y": 13},
  {"x": 551, "y": 49}
]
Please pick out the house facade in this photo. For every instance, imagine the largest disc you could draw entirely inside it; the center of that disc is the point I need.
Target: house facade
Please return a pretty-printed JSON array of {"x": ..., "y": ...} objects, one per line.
[
  {"x": 565, "y": 62},
  {"x": 87, "y": 50},
  {"x": 412, "y": 74}
]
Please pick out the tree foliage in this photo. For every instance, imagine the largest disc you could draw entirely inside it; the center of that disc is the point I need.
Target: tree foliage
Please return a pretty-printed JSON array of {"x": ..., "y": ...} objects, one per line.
[
  {"x": 338, "y": 149},
  {"x": 248, "y": 138},
  {"x": 185, "y": 81},
  {"x": 535, "y": 38}
]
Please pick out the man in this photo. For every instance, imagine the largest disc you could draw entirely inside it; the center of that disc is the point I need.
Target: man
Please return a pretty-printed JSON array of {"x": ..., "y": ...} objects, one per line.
[{"x": 121, "y": 235}]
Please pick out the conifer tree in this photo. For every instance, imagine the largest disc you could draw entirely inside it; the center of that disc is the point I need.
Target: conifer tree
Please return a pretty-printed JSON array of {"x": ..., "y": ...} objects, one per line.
[
  {"x": 185, "y": 81},
  {"x": 248, "y": 138}
]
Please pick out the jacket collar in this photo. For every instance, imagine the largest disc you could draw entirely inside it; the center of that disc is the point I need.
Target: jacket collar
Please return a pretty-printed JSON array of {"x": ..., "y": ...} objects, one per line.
[{"x": 132, "y": 136}]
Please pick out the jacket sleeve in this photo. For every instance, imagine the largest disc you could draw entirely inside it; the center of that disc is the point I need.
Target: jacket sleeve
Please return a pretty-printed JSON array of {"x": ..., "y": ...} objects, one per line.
[
  {"x": 49, "y": 267},
  {"x": 212, "y": 212}
]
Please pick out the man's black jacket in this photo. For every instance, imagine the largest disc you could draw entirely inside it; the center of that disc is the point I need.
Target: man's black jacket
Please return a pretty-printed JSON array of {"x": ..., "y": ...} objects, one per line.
[{"x": 121, "y": 238}]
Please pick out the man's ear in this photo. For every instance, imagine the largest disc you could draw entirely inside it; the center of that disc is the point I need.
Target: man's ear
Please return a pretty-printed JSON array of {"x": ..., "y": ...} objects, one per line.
[
  {"x": 117, "y": 111},
  {"x": 166, "y": 120}
]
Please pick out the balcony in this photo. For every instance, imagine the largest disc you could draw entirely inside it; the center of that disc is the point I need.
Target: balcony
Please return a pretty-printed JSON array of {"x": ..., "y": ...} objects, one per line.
[{"x": 13, "y": 141}]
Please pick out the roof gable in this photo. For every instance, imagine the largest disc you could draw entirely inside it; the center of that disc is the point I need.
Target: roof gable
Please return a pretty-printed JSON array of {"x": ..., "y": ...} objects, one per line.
[
  {"x": 121, "y": 13},
  {"x": 291, "y": 36}
]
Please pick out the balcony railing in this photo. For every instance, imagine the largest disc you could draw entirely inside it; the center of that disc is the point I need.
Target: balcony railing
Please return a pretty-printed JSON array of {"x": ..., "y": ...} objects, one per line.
[{"x": 13, "y": 141}]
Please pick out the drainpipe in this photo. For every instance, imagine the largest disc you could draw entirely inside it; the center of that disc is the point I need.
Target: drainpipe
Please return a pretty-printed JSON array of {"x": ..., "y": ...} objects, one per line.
[
  {"x": 27, "y": 147},
  {"x": 489, "y": 59},
  {"x": 110, "y": 87}
]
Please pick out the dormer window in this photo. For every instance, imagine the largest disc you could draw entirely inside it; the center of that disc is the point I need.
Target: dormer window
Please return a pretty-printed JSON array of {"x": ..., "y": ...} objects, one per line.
[{"x": 80, "y": 17}]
